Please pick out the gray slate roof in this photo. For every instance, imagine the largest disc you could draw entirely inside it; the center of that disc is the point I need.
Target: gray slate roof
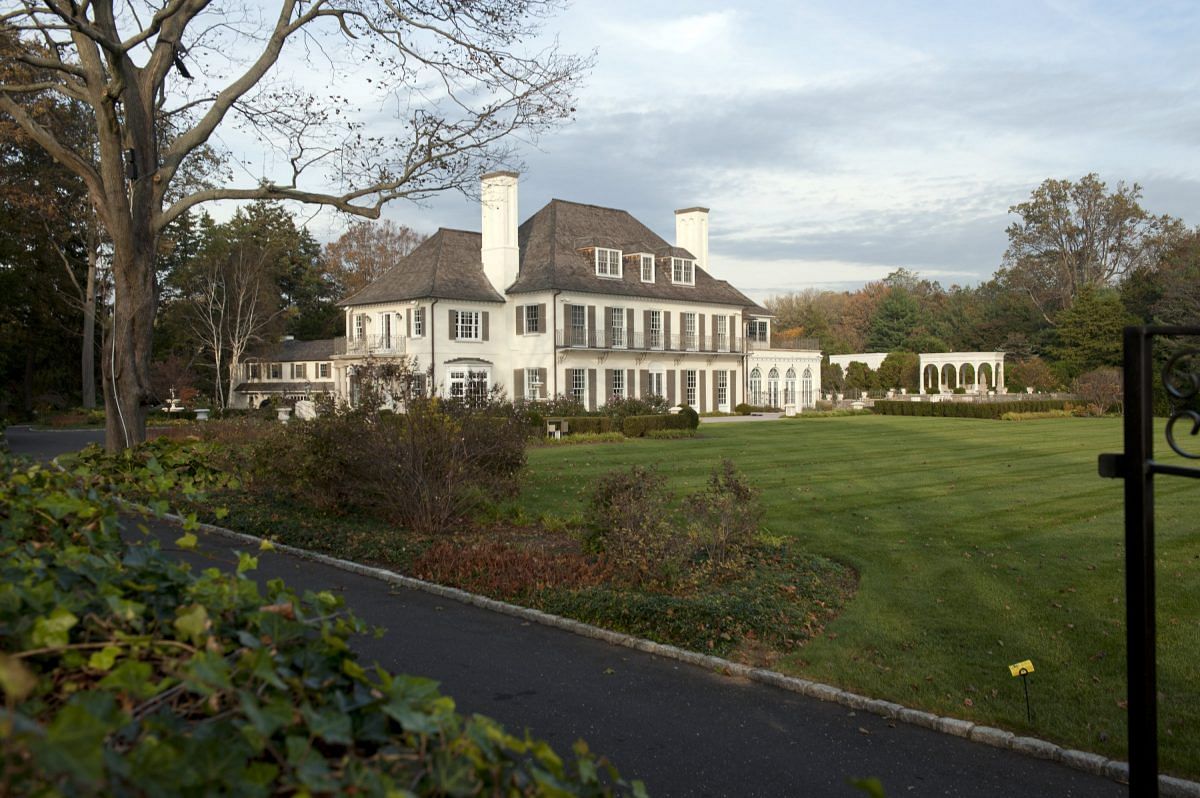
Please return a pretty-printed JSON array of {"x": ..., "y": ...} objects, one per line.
[
  {"x": 284, "y": 387},
  {"x": 295, "y": 351},
  {"x": 447, "y": 265},
  {"x": 550, "y": 241}
]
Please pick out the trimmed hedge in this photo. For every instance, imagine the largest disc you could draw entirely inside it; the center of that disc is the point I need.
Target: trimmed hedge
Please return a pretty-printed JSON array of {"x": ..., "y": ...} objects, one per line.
[
  {"x": 966, "y": 409},
  {"x": 638, "y": 426},
  {"x": 592, "y": 424}
]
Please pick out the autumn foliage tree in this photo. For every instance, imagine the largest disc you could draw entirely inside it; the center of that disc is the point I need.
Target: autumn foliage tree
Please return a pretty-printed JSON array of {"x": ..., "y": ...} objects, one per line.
[
  {"x": 366, "y": 251},
  {"x": 160, "y": 80}
]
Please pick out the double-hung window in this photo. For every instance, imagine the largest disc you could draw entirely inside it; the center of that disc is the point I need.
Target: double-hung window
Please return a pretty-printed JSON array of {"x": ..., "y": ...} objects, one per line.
[
  {"x": 618, "y": 384},
  {"x": 655, "y": 385},
  {"x": 616, "y": 327},
  {"x": 578, "y": 325},
  {"x": 299, "y": 371},
  {"x": 647, "y": 268},
  {"x": 255, "y": 371},
  {"x": 608, "y": 262},
  {"x": 322, "y": 371},
  {"x": 360, "y": 326},
  {"x": 418, "y": 322},
  {"x": 655, "y": 332},
  {"x": 689, "y": 384},
  {"x": 689, "y": 330},
  {"x": 578, "y": 379},
  {"x": 468, "y": 327},
  {"x": 276, "y": 372},
  {"x": 682, "y": 271},
  {"x": 722, "y": 378},
  {"x": 760, "y": 331},
  {"x": 532, "y": 322},
  {"x": 722, "y": 333},
  {"x": 533, "y": 384}
]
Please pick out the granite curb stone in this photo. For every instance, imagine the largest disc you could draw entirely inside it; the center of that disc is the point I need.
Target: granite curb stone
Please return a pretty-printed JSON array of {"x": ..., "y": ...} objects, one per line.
[{"x": 1170, "y": 786}]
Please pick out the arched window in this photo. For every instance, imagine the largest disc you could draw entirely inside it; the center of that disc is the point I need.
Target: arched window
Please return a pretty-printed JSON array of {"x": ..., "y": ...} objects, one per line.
[
  {"x": 789, "y": 387},
  {"x": 755, "y": 386},
  {"x": 773, "y": 387},
  {"x": 806, "y": 393}
]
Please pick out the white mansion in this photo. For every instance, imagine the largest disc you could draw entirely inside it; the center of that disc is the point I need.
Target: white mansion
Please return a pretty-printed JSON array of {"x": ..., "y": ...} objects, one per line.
[{"x": 578, "y": 300}]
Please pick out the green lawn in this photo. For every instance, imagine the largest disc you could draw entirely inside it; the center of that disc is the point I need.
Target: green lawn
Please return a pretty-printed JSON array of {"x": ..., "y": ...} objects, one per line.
[{"x": 979, "y": 543}]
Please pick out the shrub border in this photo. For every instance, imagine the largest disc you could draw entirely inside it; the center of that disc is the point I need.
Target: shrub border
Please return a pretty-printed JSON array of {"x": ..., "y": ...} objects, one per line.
[{"x": 1116, "y": 770}]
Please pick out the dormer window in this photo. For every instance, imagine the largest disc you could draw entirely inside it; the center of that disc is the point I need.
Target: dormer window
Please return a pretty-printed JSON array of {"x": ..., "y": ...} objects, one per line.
[
  {"x": 608, "y": 262},
  {"x": 647, "y": 268},
  {"x": 682, "y": 271}
]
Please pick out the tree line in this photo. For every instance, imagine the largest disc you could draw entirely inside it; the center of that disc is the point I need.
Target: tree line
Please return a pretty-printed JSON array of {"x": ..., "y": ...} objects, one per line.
[{"x": 1082, "y": 262}]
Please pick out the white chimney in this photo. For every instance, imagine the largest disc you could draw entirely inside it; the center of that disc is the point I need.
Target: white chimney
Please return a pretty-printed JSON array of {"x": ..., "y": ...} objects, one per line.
[
  {"x": 691, "y": 233},
  {"x": 501, "y": 257}
]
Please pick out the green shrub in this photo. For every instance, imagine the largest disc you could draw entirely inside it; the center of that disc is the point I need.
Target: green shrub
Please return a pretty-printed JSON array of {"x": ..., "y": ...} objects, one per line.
[
  {"x": 620, "y": 408},
  {"x": 586, "y": 437},
  {"x": 992, "y": 410},
  {"x": 743, "y": 409},
  {"x": 670, "y": 434},
  {"x": 689, "y": 412},
  {"x": 640, "y": 426},
  {"x": 126, "y": 674},
  {"x": 588, "y": 424}
]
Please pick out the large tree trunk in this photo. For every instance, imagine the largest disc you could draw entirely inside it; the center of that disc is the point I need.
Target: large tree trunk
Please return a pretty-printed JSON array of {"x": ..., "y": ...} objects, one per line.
[
  {"x": 87, "y": 360},
  {"x": 126, "y": 366}
]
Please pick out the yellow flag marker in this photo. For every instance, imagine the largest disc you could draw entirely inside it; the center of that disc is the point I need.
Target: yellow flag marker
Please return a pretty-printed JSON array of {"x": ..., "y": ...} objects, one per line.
[{"x": 1021, "y": 668}]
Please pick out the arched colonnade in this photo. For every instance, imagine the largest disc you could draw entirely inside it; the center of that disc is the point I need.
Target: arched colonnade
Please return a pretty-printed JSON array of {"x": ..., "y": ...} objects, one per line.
[{"x": 975, "y": 372}]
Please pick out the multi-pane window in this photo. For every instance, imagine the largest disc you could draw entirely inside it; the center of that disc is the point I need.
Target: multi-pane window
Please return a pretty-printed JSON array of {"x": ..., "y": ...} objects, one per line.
[
  {"x": 682, "y": 271},
  {"x": 756, "y": 387},
  {"x": 760, "y": 331},
  {"x": 387, "y": 331},
  {"x": 299, "y": 371},
  {"x": 468, "y": 383},
  {"x": 276, "y": 372},
  {"x": 655, "y": 333},
  {"x": 647, "y": 268},
  {"x": 655, "y": 385},
  {"x": 689, "y": 330},
  {"x": 322, "y": 371},
  {"x": 722, "y": 333},
  {"x": 806, "y": 391},
  {"x": 789, "y": 387},
  {"x": 418, "y": 322},
  {"x": 722, "y": 378},
  {"x": 532, "y": 321},
  {"x": 360, "y": 326},
  {"x": 773, "y": 387},
  {"x": 616, "y": 327},
  {"x": 618, "y": 383},
  {"x": 608, "y": 262},
  {"x": 689, "y": 385},
  {"x": 468, "y": 327},
  {"x": 578, "y": 325},
  {"x": 578, "y": 380},
  {"x": 255, "y": 371},
  {"x": 533, "y": 384}
]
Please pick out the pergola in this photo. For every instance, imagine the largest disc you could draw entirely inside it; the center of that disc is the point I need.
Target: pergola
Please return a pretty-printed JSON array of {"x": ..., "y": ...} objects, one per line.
[{"x": 976, "y": 372}]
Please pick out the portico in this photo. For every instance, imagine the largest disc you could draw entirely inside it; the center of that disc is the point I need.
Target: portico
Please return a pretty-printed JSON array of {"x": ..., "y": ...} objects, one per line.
[{"x": 975, "y": 372}]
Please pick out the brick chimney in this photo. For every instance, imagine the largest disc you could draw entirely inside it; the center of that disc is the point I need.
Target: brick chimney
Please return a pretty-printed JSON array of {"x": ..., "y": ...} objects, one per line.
[
  {"x": 501, "y": 257},
  {"x": 691, "y": 233}
]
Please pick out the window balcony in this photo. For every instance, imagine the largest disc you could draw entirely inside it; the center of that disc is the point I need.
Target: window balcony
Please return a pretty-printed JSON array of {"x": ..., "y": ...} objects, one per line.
[
  {"x": 369, "y": 345},
  {"x": 641, "y": 341}
]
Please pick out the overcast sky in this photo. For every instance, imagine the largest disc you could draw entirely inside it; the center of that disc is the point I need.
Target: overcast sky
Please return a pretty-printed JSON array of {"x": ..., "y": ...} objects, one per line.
[{"x": 838, "y": 141}]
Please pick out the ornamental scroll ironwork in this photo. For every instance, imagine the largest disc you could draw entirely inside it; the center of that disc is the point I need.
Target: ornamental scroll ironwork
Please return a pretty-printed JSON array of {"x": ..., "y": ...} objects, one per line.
[{"x": 1181, "y": 379}]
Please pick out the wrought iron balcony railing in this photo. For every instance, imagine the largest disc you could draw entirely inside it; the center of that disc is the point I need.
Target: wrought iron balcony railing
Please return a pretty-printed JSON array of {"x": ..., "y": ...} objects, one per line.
[
  {"x": 575, "y": 337},
  {"x": 370, "y": 345}
]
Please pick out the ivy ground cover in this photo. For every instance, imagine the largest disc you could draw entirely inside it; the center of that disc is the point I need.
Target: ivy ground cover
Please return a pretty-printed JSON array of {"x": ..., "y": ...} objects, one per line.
[{"x": 978, "y": 543}]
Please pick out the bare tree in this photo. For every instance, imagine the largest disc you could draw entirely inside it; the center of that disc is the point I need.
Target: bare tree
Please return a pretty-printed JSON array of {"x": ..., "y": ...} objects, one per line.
[
  {"x": 162, "y": 77},
  {"x": 366, "y": 251}
]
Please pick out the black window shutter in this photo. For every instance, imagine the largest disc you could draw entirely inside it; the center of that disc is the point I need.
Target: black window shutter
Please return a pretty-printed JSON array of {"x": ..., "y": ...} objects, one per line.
[{"x": 453, "y": 331}]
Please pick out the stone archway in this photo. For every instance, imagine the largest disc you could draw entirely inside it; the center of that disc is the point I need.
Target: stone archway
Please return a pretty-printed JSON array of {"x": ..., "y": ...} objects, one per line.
[
  {"x": 949, "y": 377},
  {"x": 929, "y": 378},
  {"x": 966, "y": 376},
  {"x": 985, "y": 378}
]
